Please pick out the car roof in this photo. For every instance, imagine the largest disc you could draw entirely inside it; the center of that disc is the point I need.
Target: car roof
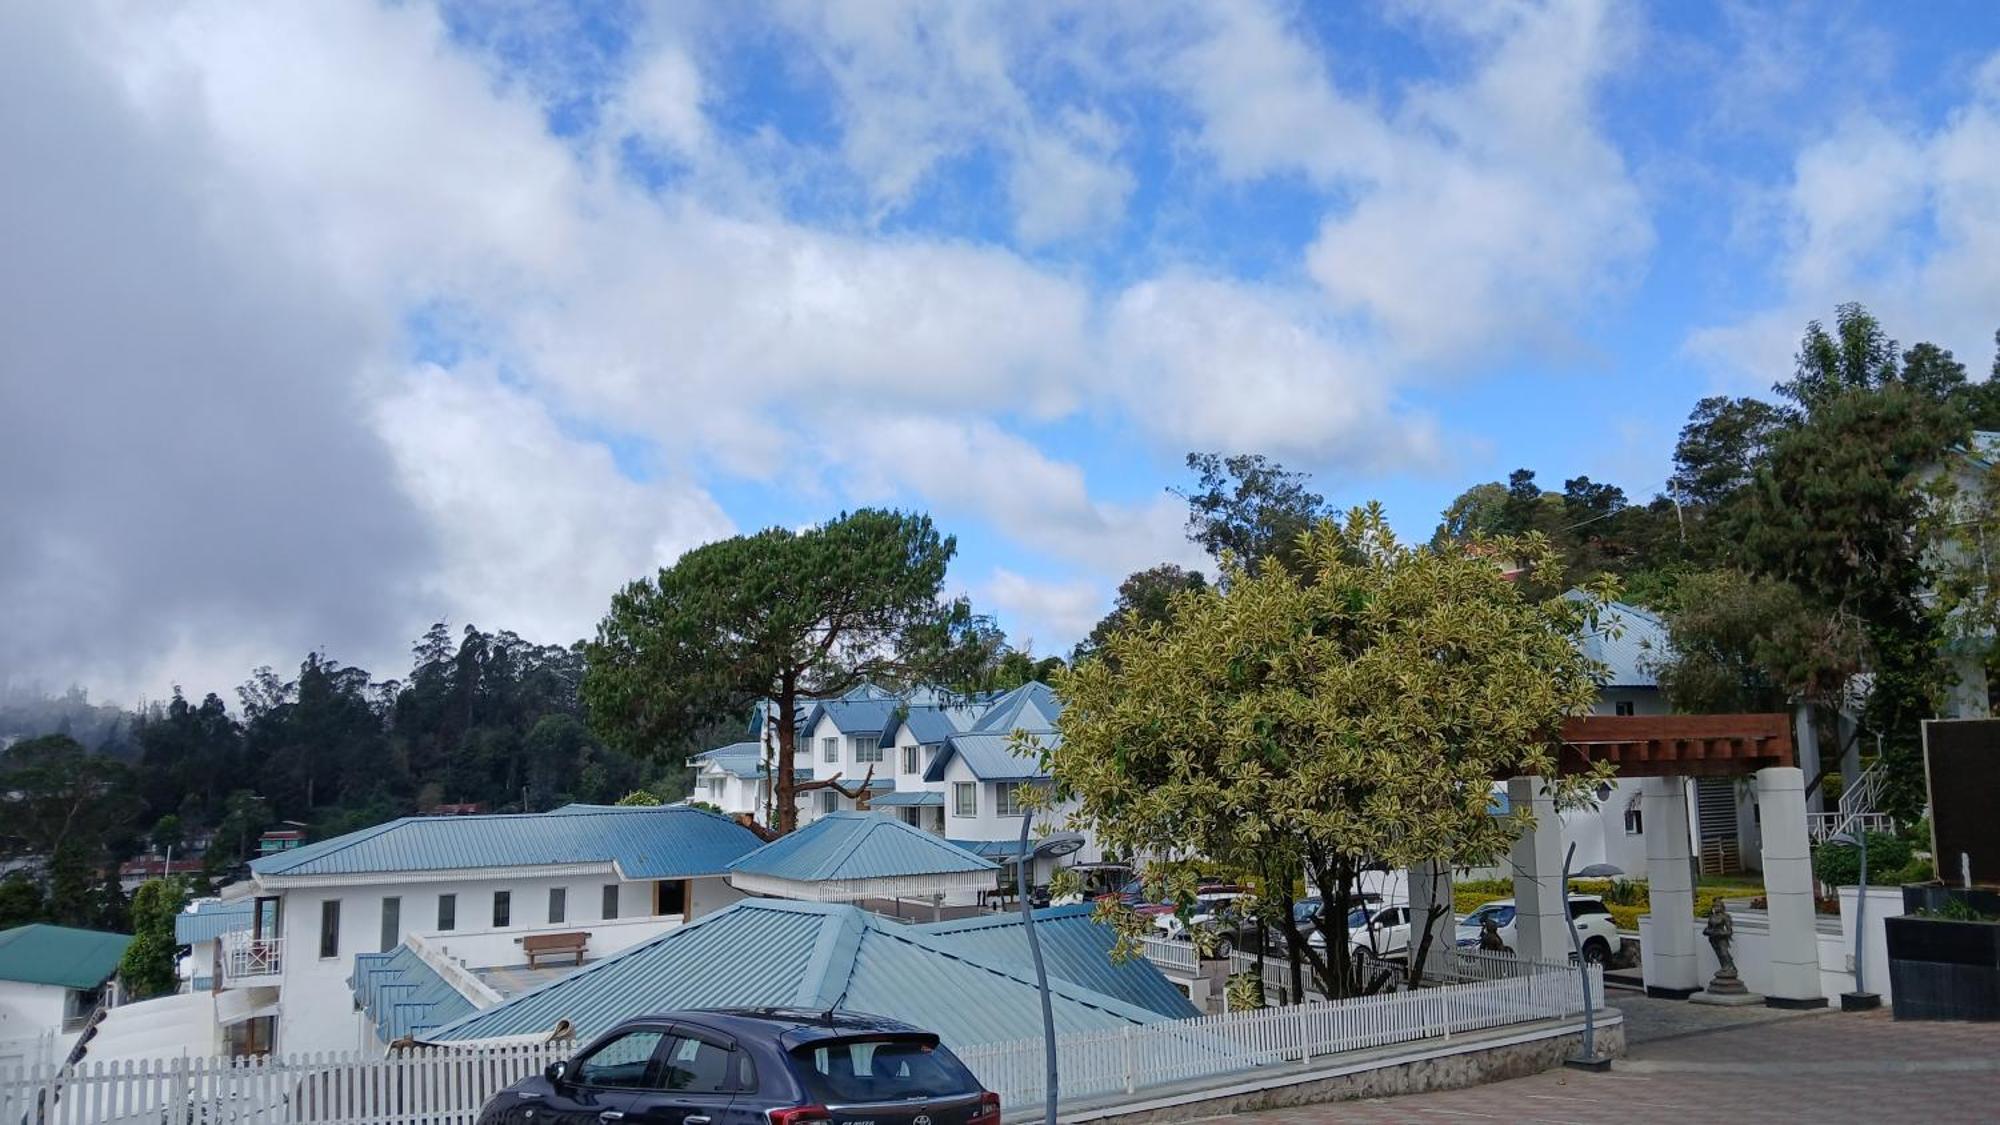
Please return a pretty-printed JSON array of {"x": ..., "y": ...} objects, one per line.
[
  {"x": 1510, "y": 902},
  {"x": 797, "y": 1025}
]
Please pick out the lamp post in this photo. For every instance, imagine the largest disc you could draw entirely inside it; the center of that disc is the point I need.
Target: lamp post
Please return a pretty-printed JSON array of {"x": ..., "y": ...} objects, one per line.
[
  {"x": 1859, "y": 1000},
  {"x": 1588, "y": 1058},
  {"x": 1021, "y": 865}
]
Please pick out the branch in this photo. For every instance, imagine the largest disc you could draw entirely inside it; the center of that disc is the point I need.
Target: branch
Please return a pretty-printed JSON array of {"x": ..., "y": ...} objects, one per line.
[{"x": 834, "y": 784}]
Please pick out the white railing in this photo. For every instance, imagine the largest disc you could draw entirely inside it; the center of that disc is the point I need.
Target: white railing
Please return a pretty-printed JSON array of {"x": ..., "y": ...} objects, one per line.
[
  {"x": 438, "y": 1086},
  {"x": 1856, "y": 810},
  {"x": 245, "y": 957},
  {"x": 1172, "y": 956},
  {"x": 1103, "y": 1063}
]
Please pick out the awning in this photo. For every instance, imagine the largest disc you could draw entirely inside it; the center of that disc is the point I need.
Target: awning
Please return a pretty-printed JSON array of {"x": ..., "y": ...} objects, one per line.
[{"x": 917, "y": 798}]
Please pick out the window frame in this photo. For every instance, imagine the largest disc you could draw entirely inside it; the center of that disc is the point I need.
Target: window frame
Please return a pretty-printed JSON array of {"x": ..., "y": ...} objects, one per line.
[
  {"x": 648, "y": 1082},
  {"x": 1622, "y": 708},
  {"x": 829, "y": 749},
  {"x": 447, "y": 912},
  {"x": 558, "y": 905},
  {"x": 868, "y": 749},
  {"x": 960, "y": 790},
  {"x": 329, "y": 929},
  {"x": 913, "y": 759},
  {"x": 503, "y": 909},
  {"x": 392, "y": 922},
  {"x": 1007, "y": 798},
  {"x": 608, "y": 904}
]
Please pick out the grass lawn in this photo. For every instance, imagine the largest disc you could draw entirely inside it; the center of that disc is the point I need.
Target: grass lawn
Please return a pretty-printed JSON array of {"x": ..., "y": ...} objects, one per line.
[{"x": 1627, "y": 898}]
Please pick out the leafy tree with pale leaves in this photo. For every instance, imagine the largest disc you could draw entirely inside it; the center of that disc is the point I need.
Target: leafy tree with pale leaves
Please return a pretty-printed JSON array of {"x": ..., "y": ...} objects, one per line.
[{"x": 1350, "y": 714}]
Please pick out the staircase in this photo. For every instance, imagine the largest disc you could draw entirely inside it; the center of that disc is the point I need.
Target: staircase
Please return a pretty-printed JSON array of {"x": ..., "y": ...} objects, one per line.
[{"x": 1856, "y": 810}]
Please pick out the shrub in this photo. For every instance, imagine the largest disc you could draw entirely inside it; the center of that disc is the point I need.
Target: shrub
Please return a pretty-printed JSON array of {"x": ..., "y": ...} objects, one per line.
[{"x": 1839, "y": 865}]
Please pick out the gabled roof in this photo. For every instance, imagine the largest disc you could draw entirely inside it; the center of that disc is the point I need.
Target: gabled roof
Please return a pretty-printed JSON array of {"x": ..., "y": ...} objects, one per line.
[
  {"x": 1629, "y": 642},
  {"x": 857, "y": 845},
  {"x": 657, "y": 842},
  {"x": 990, "y": 757},
  {"x": 208, "y": 919},
  {"x": 1076, "y": 948},
  {"x": 403, "y": 996},
  {"x": 929, "y": 725},
  {"x": 741, "y": 759},
  {"x": 771, "y": 953},
  {"x": 1032, "y": 707},
  {"x": 854, "y": 716},
  {"x": 60, "y": 955}
]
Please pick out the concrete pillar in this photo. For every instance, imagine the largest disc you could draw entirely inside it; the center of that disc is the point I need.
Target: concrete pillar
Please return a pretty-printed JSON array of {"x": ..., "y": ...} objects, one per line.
[
  {"x": 1670, "y": 886},
  {"x": 1968, "y": 689},
  {"x": 1788, "y": 887},
  {"x": 1808, "y": 749},
  {"x": 1431, "y": 882},
  {"x": 1541, "y": 925}
]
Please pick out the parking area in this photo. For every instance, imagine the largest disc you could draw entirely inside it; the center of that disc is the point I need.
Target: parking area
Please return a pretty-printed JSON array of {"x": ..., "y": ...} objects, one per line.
[{"x": 1689, "y": 1063}]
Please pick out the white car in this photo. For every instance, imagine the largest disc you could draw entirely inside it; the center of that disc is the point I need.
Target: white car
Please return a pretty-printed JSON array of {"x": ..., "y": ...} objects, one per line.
[
  {"x": 1211, "y": 911},
  {"x": 1380, "y": 932},
  {"x": 1594, "y": 926}
]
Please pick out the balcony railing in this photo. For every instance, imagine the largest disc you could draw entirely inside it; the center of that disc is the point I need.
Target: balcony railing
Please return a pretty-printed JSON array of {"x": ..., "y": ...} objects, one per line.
[{"x": 245, "y": 957}]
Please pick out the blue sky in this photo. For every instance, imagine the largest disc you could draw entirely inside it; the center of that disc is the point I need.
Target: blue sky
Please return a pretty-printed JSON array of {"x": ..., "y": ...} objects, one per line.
[{"x": 563, "y": 290}]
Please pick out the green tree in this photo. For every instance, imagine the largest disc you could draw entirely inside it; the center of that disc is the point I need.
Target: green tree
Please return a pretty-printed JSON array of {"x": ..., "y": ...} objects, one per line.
[
  {"x": 1352, "y": 714},
  {"x": 639, "y": 797},
  {"x": 1144, "y": 597},
  {"x": 148, "y": 965},
  {"x": 1250, "y": 507},
  {"x": 21, "y": 901},
  {"x": 779, "y": 616}
]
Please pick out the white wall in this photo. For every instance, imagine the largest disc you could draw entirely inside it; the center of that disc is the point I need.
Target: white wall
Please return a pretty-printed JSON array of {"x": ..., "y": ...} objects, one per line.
[
  {"x": 28, "y": 1010},
  {"x": 1752, "y": 948}
]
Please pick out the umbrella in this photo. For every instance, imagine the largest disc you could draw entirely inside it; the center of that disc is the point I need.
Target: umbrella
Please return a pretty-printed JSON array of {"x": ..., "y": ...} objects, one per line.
[{"x": 1599, "y": 871}]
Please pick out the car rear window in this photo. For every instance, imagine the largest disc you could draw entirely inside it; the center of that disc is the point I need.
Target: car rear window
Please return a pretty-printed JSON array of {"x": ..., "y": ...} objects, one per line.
[
  {"x": 881, "y": 1070},
  {"x": 1579, "y": 908}
]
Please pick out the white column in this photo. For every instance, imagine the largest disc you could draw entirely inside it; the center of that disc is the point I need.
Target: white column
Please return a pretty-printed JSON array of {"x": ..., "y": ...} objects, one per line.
[
  {"x": 1788, "y": 887},
  {"x": 1431, "y": 883},
  {"x": 1670, "y": 888},
  {"x": 1541, "y": 928}
]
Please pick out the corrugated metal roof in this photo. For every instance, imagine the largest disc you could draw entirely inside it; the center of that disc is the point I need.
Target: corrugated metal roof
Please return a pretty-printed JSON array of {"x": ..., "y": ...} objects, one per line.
[
  {"x": 1032, "y": 706},
  {"x": 60, "y": 955},
  {"x": 659, "y": 842},
  {"x": 1076, "y": 948},
  {"x": 404, "y": 996},
  {"x": 1629, "y": 642},
  {"x": 930, "y": 724},
  {"x": 742, "y": 759},
  {"x": 990, "y": 757},
  {"x": 208, "y": 919},
  {"x": 854, "y": 716},
  {"x": 762, "y": 952},
  {"x": 911, "y": 798},
  {"x": 858, "y": 845}
]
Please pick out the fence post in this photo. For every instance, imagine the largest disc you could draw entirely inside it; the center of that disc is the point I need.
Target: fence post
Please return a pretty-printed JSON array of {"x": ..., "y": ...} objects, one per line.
[
  {"x": 1305, "y": 1037},
  {"x": 1131, "y": 1064}
]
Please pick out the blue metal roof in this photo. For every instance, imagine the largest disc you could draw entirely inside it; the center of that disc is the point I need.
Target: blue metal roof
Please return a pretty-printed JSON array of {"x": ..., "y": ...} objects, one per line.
[
  {"x": 929, "y": 724},
  {"x": 858, "y": 845},
  {"x": 1076, "y": 948},
  {"x": 990, "y": 757},
  {"x": 993, "y": 849},
  {"x": 1032, "y": 706},
  {"x": 854, "y": 716},
  {"x": 1630, "y": 656},
  {"x": 402, "y": 996},
  {"x": 743, "y": 759},
  {"x": 908, "y": 798},
  {"x": 209, "y": 919},
  {"x": 768, "y": 952},
  {"x": 658, "y": 842}
]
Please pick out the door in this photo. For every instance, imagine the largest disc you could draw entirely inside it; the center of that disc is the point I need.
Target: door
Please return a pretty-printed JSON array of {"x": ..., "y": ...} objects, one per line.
[
  {"x": 604, "y": 1084},
  {"x": 695, "y": 1076}
]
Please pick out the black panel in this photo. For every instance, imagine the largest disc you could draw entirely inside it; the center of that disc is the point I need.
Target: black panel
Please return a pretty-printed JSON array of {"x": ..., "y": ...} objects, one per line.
[{"x": 1962, "y": 760}]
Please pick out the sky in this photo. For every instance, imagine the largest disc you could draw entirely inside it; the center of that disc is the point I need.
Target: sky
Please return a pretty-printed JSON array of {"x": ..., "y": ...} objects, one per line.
[{"x": 321, "y": 322}]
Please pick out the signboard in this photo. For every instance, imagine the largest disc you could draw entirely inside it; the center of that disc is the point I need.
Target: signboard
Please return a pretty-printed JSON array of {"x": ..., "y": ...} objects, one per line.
[{"x": 1962, "y": 768}]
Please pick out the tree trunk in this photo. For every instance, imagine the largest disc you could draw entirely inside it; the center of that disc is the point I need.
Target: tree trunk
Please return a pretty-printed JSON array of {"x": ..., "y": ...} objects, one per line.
[{"x": 787, "y": 785}]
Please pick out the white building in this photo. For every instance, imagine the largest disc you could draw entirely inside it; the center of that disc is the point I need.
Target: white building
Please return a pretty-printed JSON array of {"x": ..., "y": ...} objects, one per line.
[
  {"x": 733, "y": 778},
  {"x": 467, "y": 895},
  {"x": 52, "y": 978}
]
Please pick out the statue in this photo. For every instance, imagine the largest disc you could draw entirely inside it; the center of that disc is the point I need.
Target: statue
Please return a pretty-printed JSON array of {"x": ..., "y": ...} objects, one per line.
[{"x": 1721, "y": 932}]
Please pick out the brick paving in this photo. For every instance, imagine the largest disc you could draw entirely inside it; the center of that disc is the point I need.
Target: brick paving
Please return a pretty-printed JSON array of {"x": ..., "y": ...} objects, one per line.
[{"x": 1734, "y": 1065}]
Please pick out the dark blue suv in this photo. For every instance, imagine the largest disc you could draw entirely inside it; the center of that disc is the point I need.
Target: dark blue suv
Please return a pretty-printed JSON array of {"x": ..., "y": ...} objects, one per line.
[{"x": 765, "y": 1066}]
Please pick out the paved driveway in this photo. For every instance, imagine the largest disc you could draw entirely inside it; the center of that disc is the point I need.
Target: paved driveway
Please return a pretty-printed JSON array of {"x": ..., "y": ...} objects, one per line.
[{"x": 1729, "y": 1065}]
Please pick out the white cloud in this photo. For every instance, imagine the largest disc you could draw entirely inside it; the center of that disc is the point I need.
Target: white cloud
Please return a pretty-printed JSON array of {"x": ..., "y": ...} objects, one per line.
[
  {"x": 1049, "y": 616},
  {"x": 1906, "y": 221},
  {"x": 535, "y": 529}
]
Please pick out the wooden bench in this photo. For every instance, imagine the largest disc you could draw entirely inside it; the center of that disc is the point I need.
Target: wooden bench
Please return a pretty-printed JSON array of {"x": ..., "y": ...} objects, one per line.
[{"x": 538, "y": 946}]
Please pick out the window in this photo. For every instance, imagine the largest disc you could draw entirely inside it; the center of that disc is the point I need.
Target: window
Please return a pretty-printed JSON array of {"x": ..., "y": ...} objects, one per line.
[
  {"x": 911, "y": 756},
  {"x": 965, "y": 798},
  {"x": 503, "y": 909},
  {"x": 829, "y": 749},
  {"x": 329, "y": 928},
  {"x": 559, "y": 905},
  {"x": 1585, "y": 907},
  {"x": 392, "y": 923},
  {"x": 867, "y": 748},
  {"x": 1635, "y": 819},
  {"x": 1624, "y": 707},
  {"x": 610, "y": 901},
  {"x": 829, "y": 801},
  {"x": 670, "y": 896},
  {"x": 883, "y": 1070},
  {"x": 695, "y": 1066},
  {"x": 914, "y": 818},
  {"x": 1007, "y": 799},
  {"x": 447, "y": 912},
  {"x": 625, "y": 1063},
  {"x": 715, "y": 793}
]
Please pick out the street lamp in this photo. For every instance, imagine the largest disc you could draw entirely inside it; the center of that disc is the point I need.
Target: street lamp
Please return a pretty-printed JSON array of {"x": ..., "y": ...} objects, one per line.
[{"x": 1860, "y": 1000}]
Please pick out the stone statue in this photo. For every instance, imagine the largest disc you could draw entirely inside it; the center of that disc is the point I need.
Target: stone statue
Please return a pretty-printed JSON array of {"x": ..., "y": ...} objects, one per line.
[{"x": 1721, "y": 933}]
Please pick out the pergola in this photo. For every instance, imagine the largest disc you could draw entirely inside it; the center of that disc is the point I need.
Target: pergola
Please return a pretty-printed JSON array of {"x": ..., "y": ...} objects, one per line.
[{"x": 1664, "y": 750}]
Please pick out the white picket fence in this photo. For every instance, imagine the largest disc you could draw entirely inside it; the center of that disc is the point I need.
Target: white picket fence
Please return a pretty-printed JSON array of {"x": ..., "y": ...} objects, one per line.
[
  {"x": 425, "y": 1086},
  {"x": 1094, "y": 1064}
]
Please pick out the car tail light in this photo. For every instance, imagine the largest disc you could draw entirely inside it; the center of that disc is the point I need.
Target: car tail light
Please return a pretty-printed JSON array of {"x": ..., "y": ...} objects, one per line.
[
  {"x": 989, "y": 1107},
  {"x": 799, "y": 1115}
]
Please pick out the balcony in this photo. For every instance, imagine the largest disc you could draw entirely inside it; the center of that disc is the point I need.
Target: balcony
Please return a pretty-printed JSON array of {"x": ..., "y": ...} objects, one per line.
[{"x": 251, "y": 960}]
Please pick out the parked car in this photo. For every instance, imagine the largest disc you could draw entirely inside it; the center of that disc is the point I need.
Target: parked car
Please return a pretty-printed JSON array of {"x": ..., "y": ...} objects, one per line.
[
  {"x": 1101, "y": 879},
  {"x": 1594, "y": 925},
  {"x": 1374, "y": 931},
  {"x": 1213, "y": 913},
  {"x": 752, "y": 1067}
]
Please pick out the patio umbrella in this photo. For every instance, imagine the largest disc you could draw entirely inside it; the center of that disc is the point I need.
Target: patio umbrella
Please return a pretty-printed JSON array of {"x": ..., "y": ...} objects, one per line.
[{"x": 1599, "y": 871}]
